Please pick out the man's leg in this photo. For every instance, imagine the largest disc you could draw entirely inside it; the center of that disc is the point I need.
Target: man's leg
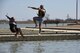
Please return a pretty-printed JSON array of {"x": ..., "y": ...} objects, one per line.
[
  {"x": 16, "y": 33},
  {"x": 20, "y": 32},
  {"x": 34, "y": 19},
  {"x": 39, "y": 27},
  {"x": 40, "y": 23}
]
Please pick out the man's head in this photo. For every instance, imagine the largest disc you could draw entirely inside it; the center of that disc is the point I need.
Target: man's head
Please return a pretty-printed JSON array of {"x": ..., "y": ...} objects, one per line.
[
  {"x": 12, "y": 17},
  {"x": 41, "y": 6}
]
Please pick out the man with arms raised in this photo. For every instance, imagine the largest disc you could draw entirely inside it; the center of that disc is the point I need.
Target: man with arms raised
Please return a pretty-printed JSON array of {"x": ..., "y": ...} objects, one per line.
[{"x": 39, "y": 18}]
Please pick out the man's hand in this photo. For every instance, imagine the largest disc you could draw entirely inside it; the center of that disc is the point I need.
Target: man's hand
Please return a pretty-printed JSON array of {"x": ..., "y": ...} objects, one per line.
[
  {"x": 29, "y": 7},
  {"x": 6, "y": 15}
]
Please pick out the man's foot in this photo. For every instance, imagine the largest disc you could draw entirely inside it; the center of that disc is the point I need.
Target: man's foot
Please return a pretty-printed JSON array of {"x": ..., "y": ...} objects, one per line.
[
  {"x": 22, "y": 36},
  {"x": 16, "y": 36},
  {"x": 39, "y": 33}
]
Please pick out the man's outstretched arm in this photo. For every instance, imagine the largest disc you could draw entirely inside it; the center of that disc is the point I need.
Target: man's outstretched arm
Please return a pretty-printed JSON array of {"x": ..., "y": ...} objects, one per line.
[
  {"x": 7, "y": 16},
  {"x": 34, "y": 8}
]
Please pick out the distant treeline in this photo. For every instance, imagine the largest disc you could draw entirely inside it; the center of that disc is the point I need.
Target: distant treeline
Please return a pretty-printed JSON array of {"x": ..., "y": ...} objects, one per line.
[
  {"x": 3, "y": 21},
  {"x": 21, "y": 22}
]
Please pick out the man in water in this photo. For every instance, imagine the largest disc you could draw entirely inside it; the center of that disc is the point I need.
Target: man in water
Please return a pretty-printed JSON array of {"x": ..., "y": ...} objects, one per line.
[
  {"x": 13, "y": 26},
  {"x": 39, "y": 18}
]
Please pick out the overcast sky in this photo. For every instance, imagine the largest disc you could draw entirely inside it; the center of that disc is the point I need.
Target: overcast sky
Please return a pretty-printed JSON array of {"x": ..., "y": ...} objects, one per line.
[{"x": 55, "y": 8}]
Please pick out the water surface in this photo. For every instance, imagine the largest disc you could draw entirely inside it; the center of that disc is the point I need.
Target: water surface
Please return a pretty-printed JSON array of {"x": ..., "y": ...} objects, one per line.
[{"x": 66, "y": 46}]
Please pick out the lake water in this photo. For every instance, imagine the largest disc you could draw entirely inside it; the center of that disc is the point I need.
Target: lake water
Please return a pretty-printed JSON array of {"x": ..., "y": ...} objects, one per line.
[
  {"x": 65, "y": 46},
  {"x": 29, "y": 25}
]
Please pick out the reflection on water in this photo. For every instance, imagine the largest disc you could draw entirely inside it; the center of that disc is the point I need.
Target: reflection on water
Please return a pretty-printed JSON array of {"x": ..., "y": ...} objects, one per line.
[{"x": 66, "y": 46}]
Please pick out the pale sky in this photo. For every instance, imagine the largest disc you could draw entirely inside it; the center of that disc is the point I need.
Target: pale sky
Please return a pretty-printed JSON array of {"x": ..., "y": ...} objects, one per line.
[{"x": 55, "y": 8}]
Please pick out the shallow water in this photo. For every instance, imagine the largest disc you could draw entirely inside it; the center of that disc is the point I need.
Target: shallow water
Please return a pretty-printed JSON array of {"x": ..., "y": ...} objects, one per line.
[{"x": 66, "y": 46}]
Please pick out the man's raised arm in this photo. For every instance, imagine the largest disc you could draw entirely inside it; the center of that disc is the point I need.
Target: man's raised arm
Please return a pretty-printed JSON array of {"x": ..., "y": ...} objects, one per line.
[{"x": 7, "y": 16}]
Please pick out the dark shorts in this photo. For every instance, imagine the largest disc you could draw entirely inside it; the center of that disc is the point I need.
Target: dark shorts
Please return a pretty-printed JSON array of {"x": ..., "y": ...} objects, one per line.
[
  {"x": 39, "y": 19},
  {"x": 13, "y": 28}
]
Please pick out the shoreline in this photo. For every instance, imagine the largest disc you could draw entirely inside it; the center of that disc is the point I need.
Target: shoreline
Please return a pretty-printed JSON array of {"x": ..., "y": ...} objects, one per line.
[{"x": 51, "y": 33}]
